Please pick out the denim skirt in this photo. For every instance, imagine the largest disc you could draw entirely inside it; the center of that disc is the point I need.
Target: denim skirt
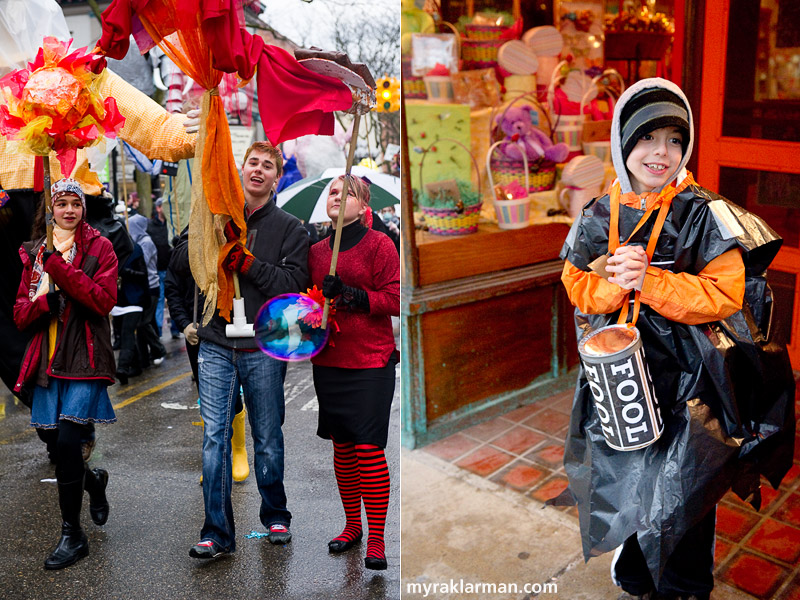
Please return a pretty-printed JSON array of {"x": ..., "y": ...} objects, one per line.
[{"x": 71, "y": 400}]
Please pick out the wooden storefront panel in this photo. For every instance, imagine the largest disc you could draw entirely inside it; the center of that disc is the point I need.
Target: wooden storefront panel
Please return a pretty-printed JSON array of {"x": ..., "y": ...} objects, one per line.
[{"x": 486, "y": 348}]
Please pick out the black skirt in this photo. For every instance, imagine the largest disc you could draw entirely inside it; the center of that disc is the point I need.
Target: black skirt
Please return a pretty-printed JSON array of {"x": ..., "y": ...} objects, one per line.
[{"x": 354, "y": 404}]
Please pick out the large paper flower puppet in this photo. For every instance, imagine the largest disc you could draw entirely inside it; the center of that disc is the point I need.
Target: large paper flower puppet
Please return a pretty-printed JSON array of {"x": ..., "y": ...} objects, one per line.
[{"x": 53, "y": 105}]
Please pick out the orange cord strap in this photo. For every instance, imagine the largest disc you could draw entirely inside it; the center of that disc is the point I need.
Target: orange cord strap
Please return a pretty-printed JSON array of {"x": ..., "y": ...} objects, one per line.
[{"x": 613, "y": 239}]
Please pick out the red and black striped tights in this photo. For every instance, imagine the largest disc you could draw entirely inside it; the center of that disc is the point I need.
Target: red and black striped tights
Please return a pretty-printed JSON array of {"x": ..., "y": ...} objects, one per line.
[{"x": 362, "y": 472}]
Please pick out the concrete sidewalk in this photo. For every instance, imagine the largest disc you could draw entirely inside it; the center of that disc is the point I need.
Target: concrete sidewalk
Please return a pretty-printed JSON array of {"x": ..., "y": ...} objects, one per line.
[{"x": 459, "y": 527}]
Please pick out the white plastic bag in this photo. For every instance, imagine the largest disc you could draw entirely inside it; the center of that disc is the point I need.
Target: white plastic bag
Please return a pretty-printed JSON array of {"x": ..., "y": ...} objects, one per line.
[{"x": 23, "y": 26}]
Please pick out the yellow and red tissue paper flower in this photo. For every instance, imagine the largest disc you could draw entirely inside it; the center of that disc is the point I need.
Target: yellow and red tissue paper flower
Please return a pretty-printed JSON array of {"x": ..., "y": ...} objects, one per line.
[{"x": 53, "y": 105}]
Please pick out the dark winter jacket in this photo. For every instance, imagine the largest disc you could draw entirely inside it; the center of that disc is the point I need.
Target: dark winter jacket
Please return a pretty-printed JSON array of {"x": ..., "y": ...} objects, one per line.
[
  {"x": 280, "y": 246},
  {"x": 89, "y": 284},
  {"x": 179, "y": 285},
  {"x": 133, "y": 286},
  {"x": 159, "y": 233}
]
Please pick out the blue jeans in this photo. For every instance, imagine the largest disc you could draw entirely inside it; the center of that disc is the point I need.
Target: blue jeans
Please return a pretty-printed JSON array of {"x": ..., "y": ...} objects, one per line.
[
  {"x": 160, "y": 305},
  {"x": 160, "y": 308},
  {"x": 221, "y": 372}
]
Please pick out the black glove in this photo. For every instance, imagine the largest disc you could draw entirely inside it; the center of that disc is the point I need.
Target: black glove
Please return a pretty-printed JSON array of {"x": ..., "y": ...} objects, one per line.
[
  {"x": 54, "y": 302},
  {"x": 349, "y": 297},
  {"x": 354, "y": 298},
  {"x": 47, "y": 254},
  {"x": 332, "y": 286}
]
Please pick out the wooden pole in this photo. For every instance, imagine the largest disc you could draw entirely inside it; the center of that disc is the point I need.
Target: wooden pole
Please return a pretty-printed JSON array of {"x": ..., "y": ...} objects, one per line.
[
  {"x": 48, "y": 215},
  {"x": 124, "y": 183},
  {"x": 174, "y": 197},
  {"x": 194, "y": 308},
  {"x": 337, "y": 236}
]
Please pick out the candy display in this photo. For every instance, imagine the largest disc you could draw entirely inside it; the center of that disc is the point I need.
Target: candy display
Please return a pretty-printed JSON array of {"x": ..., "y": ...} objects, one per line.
[
  {"x": 517, "y": 58},
  {"x": 476, "y": 88},
  {"x": 551, "y": 99}
]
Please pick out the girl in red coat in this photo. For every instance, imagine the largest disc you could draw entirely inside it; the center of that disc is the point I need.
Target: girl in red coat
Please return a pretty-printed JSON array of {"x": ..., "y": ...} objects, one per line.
[
  {"x": 354, "y": 375},
  {"x": 69, "y": 361}
]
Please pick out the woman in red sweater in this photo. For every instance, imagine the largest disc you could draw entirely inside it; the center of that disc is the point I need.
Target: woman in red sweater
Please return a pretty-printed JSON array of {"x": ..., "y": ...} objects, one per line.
[{"x": 354, "y": 376}]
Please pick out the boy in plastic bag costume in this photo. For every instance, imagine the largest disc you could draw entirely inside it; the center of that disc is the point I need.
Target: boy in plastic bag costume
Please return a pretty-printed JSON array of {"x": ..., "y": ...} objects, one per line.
[{"x": 725, "y": 387}]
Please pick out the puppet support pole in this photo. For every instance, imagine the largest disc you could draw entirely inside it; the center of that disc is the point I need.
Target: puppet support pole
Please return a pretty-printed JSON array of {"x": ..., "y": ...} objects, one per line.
[
  {"x": 124, "y": 184},
  {"x": 48, "y": 214},
  {"x": 48, "y": 209},
  {"x": 337, "y": 238},
  {"x": 240, "y": 327}
]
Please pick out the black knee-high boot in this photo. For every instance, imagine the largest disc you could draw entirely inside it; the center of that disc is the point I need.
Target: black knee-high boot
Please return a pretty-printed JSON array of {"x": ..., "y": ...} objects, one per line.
[
  {"x": 73, "y": 544},
  {"x": 95, "y": 482}
]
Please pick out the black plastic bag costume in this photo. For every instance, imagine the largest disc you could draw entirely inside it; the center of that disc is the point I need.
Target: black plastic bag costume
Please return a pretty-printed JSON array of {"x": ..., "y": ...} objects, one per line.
[{"x": 726, "y": 388}]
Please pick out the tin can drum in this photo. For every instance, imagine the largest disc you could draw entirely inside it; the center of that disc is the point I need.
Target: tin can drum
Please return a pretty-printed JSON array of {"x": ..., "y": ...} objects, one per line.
[{"x": 614, "y": 362}]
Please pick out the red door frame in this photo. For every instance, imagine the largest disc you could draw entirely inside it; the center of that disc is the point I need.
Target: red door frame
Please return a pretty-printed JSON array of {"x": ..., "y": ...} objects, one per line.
[{"x": 715, "y": 151}]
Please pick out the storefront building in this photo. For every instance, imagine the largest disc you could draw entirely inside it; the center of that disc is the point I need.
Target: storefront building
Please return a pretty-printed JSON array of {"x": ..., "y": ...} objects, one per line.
[{"x": 487, "y": 326}]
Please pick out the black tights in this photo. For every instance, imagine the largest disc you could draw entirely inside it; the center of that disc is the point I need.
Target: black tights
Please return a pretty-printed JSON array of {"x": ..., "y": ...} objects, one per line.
[{"x": 69, "y": 460}]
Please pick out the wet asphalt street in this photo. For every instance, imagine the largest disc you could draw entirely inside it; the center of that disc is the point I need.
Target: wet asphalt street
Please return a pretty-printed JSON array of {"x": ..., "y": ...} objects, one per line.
[{"x": 153, "y": 455}]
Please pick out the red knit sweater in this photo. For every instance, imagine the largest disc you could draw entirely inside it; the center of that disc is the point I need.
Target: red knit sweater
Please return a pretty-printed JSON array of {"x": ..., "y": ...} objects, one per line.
[{"x": 365, "y": 340}]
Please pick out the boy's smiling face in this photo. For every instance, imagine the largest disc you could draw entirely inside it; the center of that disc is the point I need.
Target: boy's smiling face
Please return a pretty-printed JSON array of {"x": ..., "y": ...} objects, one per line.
[{"x": 654, "y": 158}]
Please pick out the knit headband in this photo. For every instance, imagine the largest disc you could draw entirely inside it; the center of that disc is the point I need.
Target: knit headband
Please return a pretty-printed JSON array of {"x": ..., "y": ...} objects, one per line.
[{"x": 651, "y": 109}]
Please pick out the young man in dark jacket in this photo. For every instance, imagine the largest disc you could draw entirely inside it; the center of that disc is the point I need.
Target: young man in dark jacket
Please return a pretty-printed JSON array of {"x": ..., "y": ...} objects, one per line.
[
  {"x": 184, "y": 301},
  {"x": 274, "y": 261}
]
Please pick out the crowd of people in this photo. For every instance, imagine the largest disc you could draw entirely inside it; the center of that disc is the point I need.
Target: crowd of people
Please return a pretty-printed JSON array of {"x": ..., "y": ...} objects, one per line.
[
  {"x": 70, "y": 294},
  {"x": 87, "y": 282}
]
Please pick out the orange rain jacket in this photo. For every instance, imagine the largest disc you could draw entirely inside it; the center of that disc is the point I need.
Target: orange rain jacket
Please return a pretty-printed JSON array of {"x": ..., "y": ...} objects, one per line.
[{"x": 713, "y": 294}]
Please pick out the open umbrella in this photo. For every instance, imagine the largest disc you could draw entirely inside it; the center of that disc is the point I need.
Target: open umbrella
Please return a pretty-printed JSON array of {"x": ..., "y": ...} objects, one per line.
[{"x": 307, "y": 198}]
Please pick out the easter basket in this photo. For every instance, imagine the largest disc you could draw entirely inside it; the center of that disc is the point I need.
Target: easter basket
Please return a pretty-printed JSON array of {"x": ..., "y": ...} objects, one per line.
[
  {"x": 511, "y": 212},
  {"x": 480, "y": 53},
  {"x": 541, "y": 173},
  {"x": 477, "y": 31},
  {"x": 413, "y": 87},
  {"x": 596, "y": 135},
  {"x": 482, "y": 42},
  {"x": 450, "y": 207},
  {"x": 567, "y": 129}
]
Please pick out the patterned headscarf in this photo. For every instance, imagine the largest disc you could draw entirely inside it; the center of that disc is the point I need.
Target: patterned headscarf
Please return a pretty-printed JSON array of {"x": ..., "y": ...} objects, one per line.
[{"x": 67, "y": 186}]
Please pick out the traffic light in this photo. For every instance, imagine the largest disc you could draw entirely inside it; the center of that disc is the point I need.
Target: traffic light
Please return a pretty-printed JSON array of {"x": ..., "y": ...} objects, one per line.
[
  {"x": 388, "y": 94},
  {"x": 395, "y": 95}
]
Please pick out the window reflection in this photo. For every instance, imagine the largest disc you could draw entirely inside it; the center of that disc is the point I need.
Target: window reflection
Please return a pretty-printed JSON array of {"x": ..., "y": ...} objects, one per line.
[
  {"x": 762, "y": 80},
  {"x": 770, "y": 195}
]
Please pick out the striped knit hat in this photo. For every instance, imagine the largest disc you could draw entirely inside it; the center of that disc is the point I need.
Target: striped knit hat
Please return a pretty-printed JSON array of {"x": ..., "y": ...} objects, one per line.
[{"x": 650, "y": 109}]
